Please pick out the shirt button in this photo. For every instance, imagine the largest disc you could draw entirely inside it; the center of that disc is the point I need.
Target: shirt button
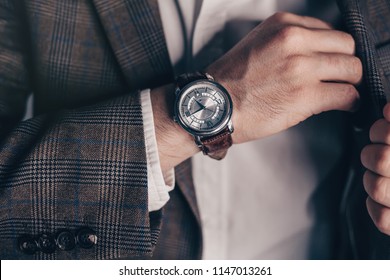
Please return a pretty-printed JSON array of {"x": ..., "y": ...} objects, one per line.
[
  {"x": 47, "y": 243},
  {"x": 65, "y": 240},
  {"x": 27, "y": 244},
  {"x": 86, "y": 238}
]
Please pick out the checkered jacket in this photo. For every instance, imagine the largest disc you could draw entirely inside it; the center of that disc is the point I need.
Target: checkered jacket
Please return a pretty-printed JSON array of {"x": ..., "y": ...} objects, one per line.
[{"x": 80, "y": 162}]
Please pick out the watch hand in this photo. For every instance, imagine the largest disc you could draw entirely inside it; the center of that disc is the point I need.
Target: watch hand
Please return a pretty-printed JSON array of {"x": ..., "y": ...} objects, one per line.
[
  {"x": 206, "y": 108},
  {"x": 200, "y": 104},
  {"x": 197, "y": 111}
]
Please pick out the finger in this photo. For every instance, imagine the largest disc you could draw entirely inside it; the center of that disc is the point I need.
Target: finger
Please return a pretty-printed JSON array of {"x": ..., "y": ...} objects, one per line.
[
  {"x": 306, "y": 41},
  {"x": 335, "y": 96},
  {"x": 315, "y": 23},
  {"x": 331, "y": 41},
  {"x": 304, "y": 21},
  {"x": 377, "y": 187},
  {"x": 380, "y": 132},
  {"x": 386, "y": 112},
  {"x": 376, "y": 157},
  {"x": 338, "y": 67},
  {"x": 380, "y": 215}
]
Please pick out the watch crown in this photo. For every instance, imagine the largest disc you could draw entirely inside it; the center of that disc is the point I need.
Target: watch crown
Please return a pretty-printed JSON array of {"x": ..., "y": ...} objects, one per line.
[{"x": 211, "y": 78}]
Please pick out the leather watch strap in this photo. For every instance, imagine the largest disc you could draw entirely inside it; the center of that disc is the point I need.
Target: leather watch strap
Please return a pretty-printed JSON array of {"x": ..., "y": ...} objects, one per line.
[
  {"x": 186, "y": 78},
  {"x": 217, "y": 146}
]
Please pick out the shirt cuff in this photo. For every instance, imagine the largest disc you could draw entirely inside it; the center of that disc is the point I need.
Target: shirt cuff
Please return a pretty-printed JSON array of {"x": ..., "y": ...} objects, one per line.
[{"x": 159, "y": 184}]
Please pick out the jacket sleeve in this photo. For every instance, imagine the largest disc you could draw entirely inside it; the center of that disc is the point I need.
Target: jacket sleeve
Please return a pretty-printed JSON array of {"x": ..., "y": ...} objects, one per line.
[{"x": 73, "y": 176}]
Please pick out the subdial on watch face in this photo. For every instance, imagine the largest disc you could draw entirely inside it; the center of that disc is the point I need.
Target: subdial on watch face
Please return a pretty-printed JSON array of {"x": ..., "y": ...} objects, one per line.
[{"x": 203, "y": 108}]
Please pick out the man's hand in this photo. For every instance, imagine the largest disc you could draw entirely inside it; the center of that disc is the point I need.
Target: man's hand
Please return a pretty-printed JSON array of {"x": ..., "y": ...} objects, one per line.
[
  {"x": 376, "y": 158},
  {"x": 287, "y": 69}
]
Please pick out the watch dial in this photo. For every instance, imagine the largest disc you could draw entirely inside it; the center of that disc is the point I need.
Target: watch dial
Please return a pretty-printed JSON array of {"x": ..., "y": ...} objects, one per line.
[{"x": 204, "y": 107}]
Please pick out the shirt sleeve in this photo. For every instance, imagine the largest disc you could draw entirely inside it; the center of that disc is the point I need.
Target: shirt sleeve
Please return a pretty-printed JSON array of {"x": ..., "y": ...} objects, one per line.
[{"x": 159, "y": 183}]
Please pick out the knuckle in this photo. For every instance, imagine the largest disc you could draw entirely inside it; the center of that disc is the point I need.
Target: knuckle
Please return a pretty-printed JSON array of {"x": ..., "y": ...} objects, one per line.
[
  {"x": 378, "y": 189},
  {"x": 280, "y": 17},
  {"x": 382, "y": 159},
  {"x": 351, "y": 41},
  {"x": 348, "y": 41},
  {"x": 295, "y": 64},
  {"x": 290, "y": 35},
  {"x": 357, "y": 64},
  {"x": 357, "y": 68}
]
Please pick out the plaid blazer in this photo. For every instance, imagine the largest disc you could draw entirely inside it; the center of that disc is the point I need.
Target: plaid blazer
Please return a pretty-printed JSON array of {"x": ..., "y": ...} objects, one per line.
[
  {"x": 77, "y": 170},
  {"x": 80, "y": 162}
]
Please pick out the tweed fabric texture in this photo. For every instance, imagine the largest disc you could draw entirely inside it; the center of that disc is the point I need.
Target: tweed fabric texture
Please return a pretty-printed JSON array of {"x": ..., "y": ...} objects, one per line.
[
  {"x": 369, "y": 22},
  {"x": 81, "y": 160},
  {"x": 359, "y": 16}
]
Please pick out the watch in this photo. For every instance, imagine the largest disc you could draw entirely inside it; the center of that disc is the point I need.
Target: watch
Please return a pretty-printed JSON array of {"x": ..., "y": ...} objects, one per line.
[{"x": 204, "y": 109}]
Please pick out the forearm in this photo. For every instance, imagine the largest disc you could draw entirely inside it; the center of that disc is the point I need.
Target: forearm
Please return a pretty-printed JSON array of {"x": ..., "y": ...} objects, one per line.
[{"x": 174, "y": 144}]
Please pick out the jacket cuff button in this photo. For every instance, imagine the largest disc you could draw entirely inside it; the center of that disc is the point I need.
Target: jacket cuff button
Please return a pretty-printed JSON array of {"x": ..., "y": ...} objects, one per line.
[
  {"x": 27, "y": 244},
  {"x": 86, "y": 238},
  {"x": 47, "y": 243},
  {"x": 65, "y": 240}
]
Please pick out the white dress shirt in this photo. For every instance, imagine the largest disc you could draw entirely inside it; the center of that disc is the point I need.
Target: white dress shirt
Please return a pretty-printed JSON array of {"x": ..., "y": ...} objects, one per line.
[{"x": 257, "y": 202}]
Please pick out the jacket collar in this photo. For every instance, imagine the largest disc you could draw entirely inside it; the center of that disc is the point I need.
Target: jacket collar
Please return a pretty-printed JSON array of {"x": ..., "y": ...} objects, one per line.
[{"x": 134, "y": 31}]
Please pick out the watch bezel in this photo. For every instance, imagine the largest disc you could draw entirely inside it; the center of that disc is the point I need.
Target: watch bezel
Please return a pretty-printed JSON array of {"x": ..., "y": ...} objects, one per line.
[{"x": 206, "y": 132}]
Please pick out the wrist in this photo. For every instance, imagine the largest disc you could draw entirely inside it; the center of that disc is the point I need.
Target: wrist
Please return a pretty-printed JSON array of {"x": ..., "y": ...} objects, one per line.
[
  {"x": 203, "y": 108},
  {"x": 232, "y": 86},
  {"x": 174, "y": 144}
]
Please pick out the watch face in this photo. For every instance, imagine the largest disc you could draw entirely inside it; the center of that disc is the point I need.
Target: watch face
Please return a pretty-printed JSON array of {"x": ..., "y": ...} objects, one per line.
[{"x": 204, "y": 108}]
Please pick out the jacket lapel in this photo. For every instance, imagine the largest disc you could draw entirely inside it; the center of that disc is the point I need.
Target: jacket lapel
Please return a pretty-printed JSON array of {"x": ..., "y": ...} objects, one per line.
[
  {"x": 363, "y": 22},
  {"x": 368, "y": 22},
  {"x": 134, "y": 31},
  {"x": 378, "y": 20}
]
